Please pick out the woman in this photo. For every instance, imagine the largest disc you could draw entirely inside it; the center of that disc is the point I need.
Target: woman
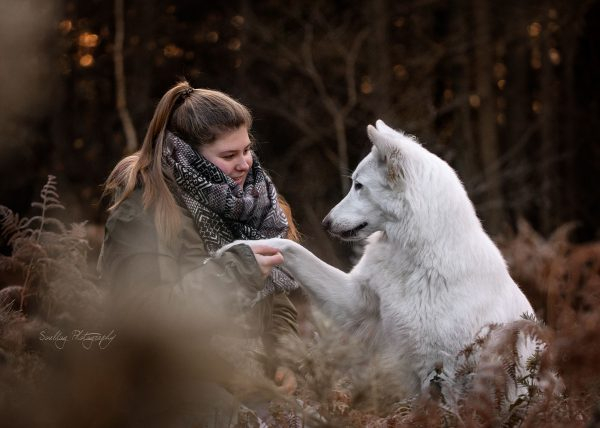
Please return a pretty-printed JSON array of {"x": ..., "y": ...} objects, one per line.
[{"x": 194, "y": 186}]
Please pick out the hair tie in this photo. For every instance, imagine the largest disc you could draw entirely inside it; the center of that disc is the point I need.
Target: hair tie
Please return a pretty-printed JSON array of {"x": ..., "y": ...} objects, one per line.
[{"x": 186, "y": 92}]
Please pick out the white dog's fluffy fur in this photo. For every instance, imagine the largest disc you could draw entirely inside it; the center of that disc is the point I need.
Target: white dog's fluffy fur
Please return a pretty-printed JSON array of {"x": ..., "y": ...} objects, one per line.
[{"x": 430, "y": 277}]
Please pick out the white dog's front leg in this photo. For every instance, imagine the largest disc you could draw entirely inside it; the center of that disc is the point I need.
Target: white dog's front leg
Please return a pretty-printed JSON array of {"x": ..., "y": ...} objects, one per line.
[{"x": 328, "y": 287}]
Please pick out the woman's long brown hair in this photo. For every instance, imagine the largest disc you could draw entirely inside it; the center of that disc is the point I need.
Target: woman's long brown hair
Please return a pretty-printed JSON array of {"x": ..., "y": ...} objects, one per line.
[{"x": 293, "y": 232}]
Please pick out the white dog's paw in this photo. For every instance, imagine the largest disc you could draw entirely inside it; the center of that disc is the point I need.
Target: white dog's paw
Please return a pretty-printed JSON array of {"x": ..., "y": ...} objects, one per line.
[
  {"x": 226, "y": 247},
  {"x": 277, "y": 243}
]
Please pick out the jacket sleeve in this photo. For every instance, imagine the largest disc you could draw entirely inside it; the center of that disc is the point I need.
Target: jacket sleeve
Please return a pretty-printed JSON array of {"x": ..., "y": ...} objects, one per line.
[
  {"x": 150, "y": 274},
  {"x": 281, "y": 340}
]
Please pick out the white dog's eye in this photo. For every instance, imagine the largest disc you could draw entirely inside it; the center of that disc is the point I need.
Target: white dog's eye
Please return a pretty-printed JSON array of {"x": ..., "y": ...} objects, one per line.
[{"x": 357, "y": 185}]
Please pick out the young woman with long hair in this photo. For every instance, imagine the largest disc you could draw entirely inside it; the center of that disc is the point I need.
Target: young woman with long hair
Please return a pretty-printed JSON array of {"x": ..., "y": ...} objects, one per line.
[{"x": 194, "y": 186}]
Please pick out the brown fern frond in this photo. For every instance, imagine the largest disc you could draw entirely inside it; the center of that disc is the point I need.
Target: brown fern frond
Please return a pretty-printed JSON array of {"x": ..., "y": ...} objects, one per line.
[
  {"x": 10, "y": 264},
  {"x": 27, "y": 223},
  {"x": 48, "y": 206},
  {"x": 59, "y": 245},
  {"x": 76, "y": 237},
  {"x": 78, "y": 230},
  {"x": 41, "y": 222},
  {"x": 9, "y": 224},
  {"x": 10, "y": 297},
  {"x": 49, "y": 193},
  {"x": 66, "y": 270},
  {"x": 50, "y": 200},
  {"x": 27, "y": 251},
  {"x": 51, "y": 221}
]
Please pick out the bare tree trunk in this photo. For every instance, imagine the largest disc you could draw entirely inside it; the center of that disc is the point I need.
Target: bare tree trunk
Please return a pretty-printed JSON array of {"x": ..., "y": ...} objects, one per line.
[
  {"x": 140, "y": 36},
  {"x": 338, "y": 112},
  {"x": 517, "y": 92},
  {"x": 121, "y": 97},
  {"x": 242, "y": 71},
  {"x": 517, "y": 62},
  {"x": 466, "y": 157},
  {"x": 570, "y": 49},
  {"x": 550, "y": 152},
  {"x": 487, "y": 114},
  {"x": 339, "y": 124},
  {"x": 380, "y": 68}
]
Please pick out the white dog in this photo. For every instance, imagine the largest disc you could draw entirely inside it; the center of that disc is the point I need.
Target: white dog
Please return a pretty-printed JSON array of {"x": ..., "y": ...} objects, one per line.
[{"x": 430, "y": 277}]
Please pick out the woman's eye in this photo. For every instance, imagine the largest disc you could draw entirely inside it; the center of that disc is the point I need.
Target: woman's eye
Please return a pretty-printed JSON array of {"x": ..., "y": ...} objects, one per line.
[
  {"x": 357, "y": 185},
  {"x": 227, "y": 157}
]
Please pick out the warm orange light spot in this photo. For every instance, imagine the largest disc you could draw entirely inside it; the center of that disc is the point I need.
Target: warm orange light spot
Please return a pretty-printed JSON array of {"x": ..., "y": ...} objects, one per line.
[
  {"x": 86, "y": 60},
  {"x": 501, "y": 84},
  {"x": 65, "y": 26},
  {"x": 400, "y": 71},
  {"x": 366, "y": 87},
  {"x": 554, "y": 56},
  {"x": 212, "y": 37},
  {"x": 234, "y": 44},
  {"x": 172, "y": 51},
  {"x": 499, "y": 70},
  {"x": 399, "y": 22},
  {"x": 474, "y": 100},
  {"x": 88, "y": 40},
  {"x": 237, "y": 21},
  {"x": 534, "y": 29},
  {"x": 536, "y": 106},
  {"x": 448, "y": 95}
]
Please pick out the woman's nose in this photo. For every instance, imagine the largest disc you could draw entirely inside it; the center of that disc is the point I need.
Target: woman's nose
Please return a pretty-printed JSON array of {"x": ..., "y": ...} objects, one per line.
[{"x": 242, "y": 165}]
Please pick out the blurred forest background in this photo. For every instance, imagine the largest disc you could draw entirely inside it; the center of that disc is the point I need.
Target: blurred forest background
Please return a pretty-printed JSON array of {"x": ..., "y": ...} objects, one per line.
[{"x": 507, "y": 92}]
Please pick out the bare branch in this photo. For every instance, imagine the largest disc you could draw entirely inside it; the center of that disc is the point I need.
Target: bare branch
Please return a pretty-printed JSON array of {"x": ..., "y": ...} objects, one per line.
[
  {"x": 351, "y": 70},
  {"x": 311, "y": 70},
  {"x": 121, "y": 97}
]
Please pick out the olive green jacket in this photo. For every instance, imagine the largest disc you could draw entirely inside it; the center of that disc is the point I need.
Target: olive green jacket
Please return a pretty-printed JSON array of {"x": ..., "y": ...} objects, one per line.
[{"x": 143, "y": 270}]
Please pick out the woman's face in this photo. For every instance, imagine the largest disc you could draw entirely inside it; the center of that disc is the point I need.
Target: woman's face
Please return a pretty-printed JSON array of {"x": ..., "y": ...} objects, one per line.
[{"x": 231, "y": 153}]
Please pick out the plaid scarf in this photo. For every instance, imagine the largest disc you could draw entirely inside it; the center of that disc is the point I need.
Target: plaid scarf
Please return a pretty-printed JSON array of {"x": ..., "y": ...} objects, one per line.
[{"x": 222, "y": 210}]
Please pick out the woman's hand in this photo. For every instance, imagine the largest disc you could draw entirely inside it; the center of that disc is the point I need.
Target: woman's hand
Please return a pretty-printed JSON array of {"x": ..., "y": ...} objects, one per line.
[
  {"x": 286, "y": 380},
  {"x": 267, "y": 257}
]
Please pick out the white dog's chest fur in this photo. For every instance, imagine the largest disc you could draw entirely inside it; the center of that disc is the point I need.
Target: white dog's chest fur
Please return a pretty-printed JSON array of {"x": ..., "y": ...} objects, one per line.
[
  {"x": 419, "y": 310},
  {"x": 427, "y": 316}
]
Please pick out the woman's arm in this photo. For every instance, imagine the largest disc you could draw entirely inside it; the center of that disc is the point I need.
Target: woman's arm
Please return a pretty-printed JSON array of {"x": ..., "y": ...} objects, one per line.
[
  {"x": 181, "y": 278},
  {"x": 282, "y": 344}
]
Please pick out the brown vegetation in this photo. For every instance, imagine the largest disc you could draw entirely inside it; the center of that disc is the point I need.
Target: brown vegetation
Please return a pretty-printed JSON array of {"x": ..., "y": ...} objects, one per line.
[{"x": 145, "y": 378}]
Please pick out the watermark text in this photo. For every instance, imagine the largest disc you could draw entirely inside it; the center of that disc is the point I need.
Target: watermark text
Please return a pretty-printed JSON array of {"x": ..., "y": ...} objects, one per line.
[{"x": 87, "y": 339}]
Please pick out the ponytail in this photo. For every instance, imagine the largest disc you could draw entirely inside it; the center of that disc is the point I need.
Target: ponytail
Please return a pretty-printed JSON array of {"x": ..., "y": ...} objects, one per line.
[{"x": 144, "y": 168}]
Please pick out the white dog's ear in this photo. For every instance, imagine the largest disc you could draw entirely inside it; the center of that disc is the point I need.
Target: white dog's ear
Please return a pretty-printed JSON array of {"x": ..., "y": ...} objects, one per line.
[
  {"x": 388, "y": 150},
  {"x": 382, "y": 127},
  {"x": 382, "y": 141}
]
